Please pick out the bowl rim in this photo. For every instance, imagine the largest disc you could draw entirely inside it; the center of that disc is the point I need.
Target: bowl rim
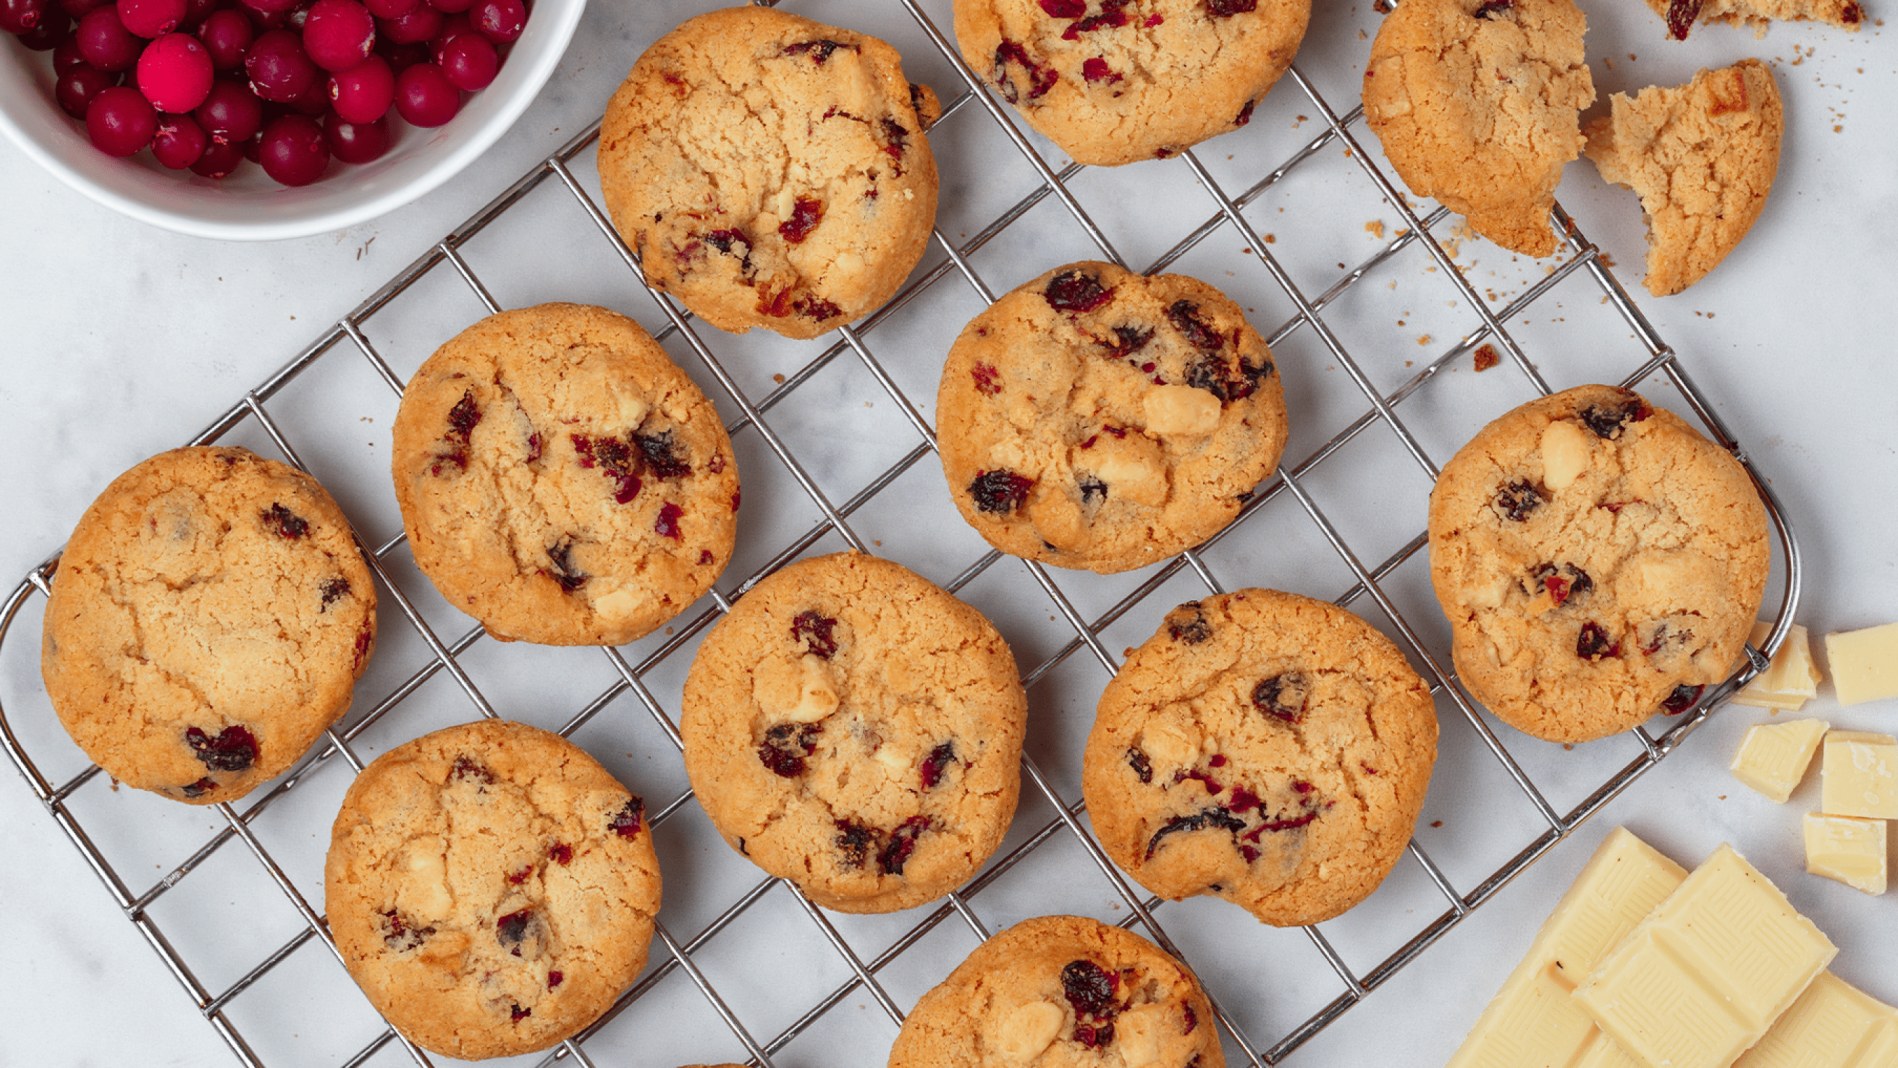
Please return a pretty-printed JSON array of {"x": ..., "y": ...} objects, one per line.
[{"x": 325, "y": 219}]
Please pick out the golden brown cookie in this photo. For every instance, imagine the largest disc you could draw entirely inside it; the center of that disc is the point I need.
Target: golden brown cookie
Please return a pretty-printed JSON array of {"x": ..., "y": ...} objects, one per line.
[
  {"x": 1702, "y": 156},
  {"x": 1096, "y": 418},
  {"x": 208, "y": 622},
  {"x": 1264, "y": 747},
  {"x": 1060, "y": 991},
  {"x": 1477, "y": 104},
  {"x": 1115, "y": 81},
  {"x": 1599, "y": 561},
  {"x": 1681, "y": 15},
  {"x": 852, "y": 728},
  {"x": 771, "y": 171},
  {"x": 561, "y": 479},
  {"x": 491, "y": 888}
]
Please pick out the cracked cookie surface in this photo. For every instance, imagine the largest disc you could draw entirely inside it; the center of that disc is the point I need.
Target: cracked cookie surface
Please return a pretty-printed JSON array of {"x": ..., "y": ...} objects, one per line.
[
  {"x": 1263, "y": 747},
  {"x": 853, "y": 728},
  {"x": 1477, "y": 103},
  {"x": 1600, "y": 562},
  {"x": 771, "y": 171},
  {"x": 491, "y": 888},
  {"x": 1702, "y": 156},
  {"x": 208, "y": 621},
  {"x": 1681, "y": 15},
  {"x": 1115, "y": 81},
  {"x": 561, "y": 479},
  {"x": 1095, "y": 418},
  {"x": 1063, "y": 992}
]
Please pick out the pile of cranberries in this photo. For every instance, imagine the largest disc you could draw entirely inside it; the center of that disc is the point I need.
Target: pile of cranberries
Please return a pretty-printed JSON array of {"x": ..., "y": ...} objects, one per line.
[{"x": 287, "y": 84}]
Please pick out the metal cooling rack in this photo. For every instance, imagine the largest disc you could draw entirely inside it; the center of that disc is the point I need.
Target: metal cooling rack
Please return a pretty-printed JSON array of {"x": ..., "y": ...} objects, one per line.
[{"x": 1246, "y": 1041}]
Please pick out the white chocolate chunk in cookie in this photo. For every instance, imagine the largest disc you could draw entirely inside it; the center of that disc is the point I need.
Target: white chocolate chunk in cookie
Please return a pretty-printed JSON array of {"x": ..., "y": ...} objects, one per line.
[
  {"x": 1024, "y": 1032},
  {"x": 1565, "y": 449},
  {"x": 1138, "y": 1032},
  {"x": 1187, "y": 411},
  {"x": 1132, "y": 467},
  {"x": 800, "y": 691}
]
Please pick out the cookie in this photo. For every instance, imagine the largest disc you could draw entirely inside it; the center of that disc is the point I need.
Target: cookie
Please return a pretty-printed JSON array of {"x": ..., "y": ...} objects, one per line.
[
  {"x": 562, "y": 480},
  {"x": 1477, "y": 104},
  {"x": 209, "y": 620},
  {"x": 491, "y": 888},
  {"x": 852, "y": 728},
  {"x": 1681, "y": 15},
  {"x": 1263, "y": 747},
  {"x": 1062, "y": 990},
  {"x": 1599, "y": 561},
  {"x": 1702, "y": 156},
  {"x": 1115, "y": 81},
  {"x": 1095, "y": 418},
  {"x": 771, "y": 171}
]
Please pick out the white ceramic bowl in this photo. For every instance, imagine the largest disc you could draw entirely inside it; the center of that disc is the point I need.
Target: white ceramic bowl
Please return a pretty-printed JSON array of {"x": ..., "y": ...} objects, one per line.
[{"x": 249, "y": 206}]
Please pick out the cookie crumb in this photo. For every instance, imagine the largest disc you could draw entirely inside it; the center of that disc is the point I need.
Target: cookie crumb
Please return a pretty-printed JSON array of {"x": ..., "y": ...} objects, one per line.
[
  {"x": 1375, "y": 228},
  {"x": 779, "y": 379},
  {"x": 1436, "y": 823},
  {"x": 1486, "y": 357}
]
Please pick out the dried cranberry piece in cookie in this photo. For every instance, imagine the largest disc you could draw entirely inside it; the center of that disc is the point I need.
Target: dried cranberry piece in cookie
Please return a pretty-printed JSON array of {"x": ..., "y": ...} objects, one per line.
[
  {"x": 895, "y": 142},
  {"x": 1000, "y": 491},
  {"x": 284, "y": 523},
  {"x": 1222, "y": 9},
  {"x": 468, "y": 769},
  {"x": 1282, "y": 697},
  {"x": 854, "y": 840},
  {"x": 1681, "y": 699},
  {"x": 1188, "y": 624},
  {"x": 1040, "y": 78},
  {"x": 1127, "y": 341},
  {"x": 1680, "y": 17},
  {"x": 333, "y": 590},
  {"x": 1142, "y": 765},
  {"x": 1089, "y": 988},
  {"x": 200, "y": 788},
  {"x": 1064, "y": 9},
  {"x": 511, "y": 929},
  {"x": 901, "y": 845},
  {"x": 562, "y": 569},
  {"x": 817, "y": 632},
  {"x": 1184, "y": 315},
  {"x": 785, "y": 746},
  {"x": 988, "y": 380},
  {"x": 629, "y": 819},
  {"x": 401, "y": 934},
  {"x": 1518, "y": 499},
  {"x": 462, "y": 419},
  {"x": 818, "y": 50},
  {"x": 662, "y": 455},
  {"x": 516, "y": 1013},
  {"x": 1489, "y": 9},
  {"x": 615, "y": 458},
  {"x": 1095, "y": 69},
  {"x": 666, "y": 525},
  {"x": 806, "y": 213},
  {"x": 936, "y": 763},
  {"x": 1093, "y": 1036},
  {"x": 1093, "y": 490},
  {"x": 232, "y": 749},
  {"x": 1607, "y": 420},
  {"x": 1113, "y": 15},
  {"x": 1593, "y": 643},
  {"x": 1077, "y": 291},
  {"x": 1217, "y": 816}
]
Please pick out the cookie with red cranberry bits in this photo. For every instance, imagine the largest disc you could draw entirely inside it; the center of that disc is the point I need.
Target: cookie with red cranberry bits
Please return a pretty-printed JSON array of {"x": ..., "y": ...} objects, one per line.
[
  {"x": 1599, "y": 560},
  {"x": 1062, "y": 990},
  {"x": 1115, "y": 81},
  {"x": 209, "y": 620},
  {"x": 561, "y": 479},
  {"x": 851, "y": 727},
  {"x": 1681, "y": 15},
  {"x": 1477, "y": 103},
  {"x": 1263, "y": 747},
  {"x": 771, "y": 171},
  {"x": 491, "y": 888},
  {"x": 1095, "y": 418}
]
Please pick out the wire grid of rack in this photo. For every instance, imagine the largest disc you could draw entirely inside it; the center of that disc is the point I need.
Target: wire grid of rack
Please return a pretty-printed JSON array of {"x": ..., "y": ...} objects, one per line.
[{"x": 865, "y": 974}]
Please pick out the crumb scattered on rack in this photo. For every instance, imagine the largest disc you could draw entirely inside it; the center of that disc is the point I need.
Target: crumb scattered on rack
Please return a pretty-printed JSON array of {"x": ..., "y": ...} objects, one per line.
[
  {"x": 779, "y": 379},
  {"x": 1423, "y": 339},
  {"x": 1375, "y": 228},
  {"x": 1436, "y": 823},
  {"x": 1486, "y": 357}
]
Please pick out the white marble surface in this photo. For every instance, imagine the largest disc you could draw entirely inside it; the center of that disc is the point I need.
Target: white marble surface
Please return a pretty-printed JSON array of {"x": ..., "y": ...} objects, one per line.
[{"x": 122, "y": 340}]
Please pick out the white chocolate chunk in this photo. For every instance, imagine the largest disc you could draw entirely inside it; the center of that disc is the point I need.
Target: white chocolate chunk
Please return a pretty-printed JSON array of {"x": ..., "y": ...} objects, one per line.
[
  {"x": 1847, "y": 849},
  {"x": 1773, "y": 757},
  {"x": 1790, "y": 680},
  {"x": 1027, "y": 1030},
  {"x": 1861, "y": 775},
  {"x": 1565, "y": 449},
  {"x": 1185, "y": 411},
  {"x": 1864, "y": 663},
  {"x": 800, "y": 691},
  {"x": 1137, "y": 1033},
  {"x": 1832, "y": 1025}
]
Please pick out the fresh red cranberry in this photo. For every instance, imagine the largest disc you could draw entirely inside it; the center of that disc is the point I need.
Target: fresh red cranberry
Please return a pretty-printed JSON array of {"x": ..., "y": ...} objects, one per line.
[
  {"x": 451, "y": 7},
  {"x": 936, "y": 763},
  {"x": 629, "y": 819},
  {"x": 1282, "y": 697},
  {"x": 175, "y": 73},
  {"x": 75, "y": 88},
  {"x": 230, "y": 114},
  {"x": 391, "y": 9},
  {"x": 1221, "y": 9},
  {"x": 356, "y": 142},
  {"x": 1593, "y": 643},
  {"x": 105, "y": 43},
  {"x": 1188, "y": 624},
  {"x": 1518, "y": 499},
  {"x": 1064, "y": 9},
  {"x": 786, "y": 745},
  {"x": 1095, "y": 69},
  {"x": 511, "y": 929},
  {"x": 1680, "y": 17},
  {"x": 561, "y": 566},
  {"x": 227, "y": 36},
  {"x": 1216, "y": 816},
  {"x": 179, "y": 142},
  {"x": 273, "y": 12},
  {"x": 338, "y": 34},
  {"x": 150, "y": 18},
  {"x": 419, "y": 26},
  {"x": 19, "y": 17},
  {"x": 666, "y": 525},
  {"x": 364, "y": 92},
  {"x": 470, "y": 62},
  {"x": 294, "y": 151},
  {"x": 119, "y": 121},
  {"x": 1681, "y": 699},
  {"x": 1000, "y": 491},
  {"x": 817, "y": 632},
  {"x": 1142, "y": 765},
  {"x": 1076, "y": 291},
  {"x": 806, "y": 213},
  {"x": 66, "y": 57},
  {"x": 901, "y": 845},
  {"x": 231, "y": 749},
  {"x": 500, "y": 21},
  {"x": 54, "y": 29},
  {"x": 425, "y": 97},
  {"x": 1090, "y": 988},
  {"x": 78, "y": 8},
  {"x": 819, "y": 51},
  {"x": 218, "y": 161},
  {"x": 278, "y": 68}
]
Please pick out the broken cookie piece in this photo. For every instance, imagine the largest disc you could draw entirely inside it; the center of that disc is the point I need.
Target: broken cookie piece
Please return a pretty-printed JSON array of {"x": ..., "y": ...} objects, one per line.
[
  {"x": 1702, "y": 156},
  {"x": 1681, "y": 15}
]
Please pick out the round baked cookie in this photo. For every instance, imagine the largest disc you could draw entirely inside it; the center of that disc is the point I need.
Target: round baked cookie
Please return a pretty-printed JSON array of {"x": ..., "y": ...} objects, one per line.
[
  {"x": 561, "y": 479},
  {"x": 491, "y": 888},
  {"x": 208, "y": 621},
  {"x": 1264, "y": 747},
  {"x": 1060, "y": 991},
  {"x": 1599, "y": 561},
  {"x": 771, "y": 171},
  {"x": 1095, "y": 418},
  {"x": 1477, "y": 103},
  {"x": 852, "y": 728},
  {"x": 1115, "y": 81}
]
